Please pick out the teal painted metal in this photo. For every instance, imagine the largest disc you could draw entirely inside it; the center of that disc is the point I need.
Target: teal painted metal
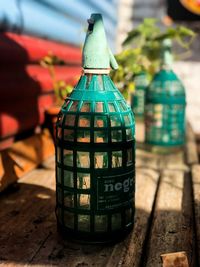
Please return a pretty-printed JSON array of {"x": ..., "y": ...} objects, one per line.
[
  {"x": 141, "y": 81},
  {"x": 166, "y": 55},
  {"x": 96, "y": 52},
  {"x": 165, "y": 107},
  {"x": 95, "y": 161}
]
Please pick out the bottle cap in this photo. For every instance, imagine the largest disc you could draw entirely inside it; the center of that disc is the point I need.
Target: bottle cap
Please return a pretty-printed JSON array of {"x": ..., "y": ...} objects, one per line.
[
  {"x": 96, "y": 52},
  {"x": 166, "y": 53}
]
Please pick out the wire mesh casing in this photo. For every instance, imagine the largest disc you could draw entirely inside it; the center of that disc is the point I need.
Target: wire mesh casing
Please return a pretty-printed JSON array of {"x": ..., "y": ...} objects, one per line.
[
  {"x": 165, "y": 110},
  {"x": 95, "y": 162},
  {"x": 138, "y": 97}
]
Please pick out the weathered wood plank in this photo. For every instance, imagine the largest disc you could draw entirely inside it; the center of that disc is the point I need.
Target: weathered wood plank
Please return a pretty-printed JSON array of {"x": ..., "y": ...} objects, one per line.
[
  {"x": 158, "y": 162},
  {"x": 24, "y": 156},
  {"x": 172, "y": 224},
  {"x": 28, "y": 227},
  {"x": 58, "y": 252},
  {"x": 140, "y": 132},
  {"x": 197, "y": 138},
  {"x": 175, "y": 161},
  {"x": 28, "y": 234},
  {"x": 191, "y": 147},
  {"x": 129, "y": 252},
  {"x": 145, "y": 159},
  {"x": 196, "y": 192},
  {"x": 27, "y": 216}
]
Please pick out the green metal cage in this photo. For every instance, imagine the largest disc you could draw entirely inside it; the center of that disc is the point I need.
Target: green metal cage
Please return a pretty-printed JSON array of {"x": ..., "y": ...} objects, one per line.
[
  {"x": 95, "y": 162},
  {"x": 165, "y": 110},
  {"x": 141, "y": 81}
]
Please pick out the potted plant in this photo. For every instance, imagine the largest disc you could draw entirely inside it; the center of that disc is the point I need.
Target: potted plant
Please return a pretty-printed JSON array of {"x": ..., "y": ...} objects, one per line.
[{"x": 61, "y": 90}]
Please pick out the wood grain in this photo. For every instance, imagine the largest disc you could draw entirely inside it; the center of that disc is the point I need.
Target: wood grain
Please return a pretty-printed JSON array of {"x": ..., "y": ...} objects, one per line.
[
  {"x": 129, "y": 252},
  {"x": 27, "y": 216},
  {"x": 145, "y": 159},
  {"x": 163, "y": 220},
  {"x": 24, "y": 156},
  {"x": 173, "y": 161},
  {"x": 191, "y": 147},
  {"x": 172, "y": 224},
  {"x": 196, "y": 192}
]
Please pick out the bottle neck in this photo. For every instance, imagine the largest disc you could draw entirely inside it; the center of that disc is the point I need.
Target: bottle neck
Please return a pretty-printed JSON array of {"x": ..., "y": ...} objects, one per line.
[
  {"x": 166, "y": 59},
  {"x": 99, "y": 77},
  {"x": 165, "y": 67},
  {"x": 96, "y": 71}
]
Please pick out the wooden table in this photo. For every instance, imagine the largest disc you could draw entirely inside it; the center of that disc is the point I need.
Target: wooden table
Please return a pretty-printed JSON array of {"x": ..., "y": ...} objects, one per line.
[{"x": 167, "y": 217}]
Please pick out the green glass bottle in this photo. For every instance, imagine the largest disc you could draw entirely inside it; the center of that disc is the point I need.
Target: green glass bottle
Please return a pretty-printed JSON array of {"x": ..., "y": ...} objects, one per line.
[
  {"x": 95, "y": 151},
  {"x": 165, "y": 108},
  {"x": 141, "y": 81}
]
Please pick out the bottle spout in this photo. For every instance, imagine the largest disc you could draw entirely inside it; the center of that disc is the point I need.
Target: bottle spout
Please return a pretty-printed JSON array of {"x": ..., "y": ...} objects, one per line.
[
  {"x": 166, "y": 53},
  {"x": 96, "y": 52}
]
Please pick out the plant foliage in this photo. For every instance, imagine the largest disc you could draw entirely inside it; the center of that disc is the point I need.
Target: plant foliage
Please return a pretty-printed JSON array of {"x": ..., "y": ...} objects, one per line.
[
  {"x": 142, "y": 50},
  {"x": 61, "y": 88}
]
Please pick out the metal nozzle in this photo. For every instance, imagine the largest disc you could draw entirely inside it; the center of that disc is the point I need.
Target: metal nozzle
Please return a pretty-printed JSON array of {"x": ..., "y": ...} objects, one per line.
[{"x": 96, "y": 53}]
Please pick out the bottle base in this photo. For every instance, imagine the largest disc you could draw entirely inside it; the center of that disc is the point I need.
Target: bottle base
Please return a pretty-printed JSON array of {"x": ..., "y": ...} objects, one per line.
[
  {"x": 163, "y": 149},
  {"x": 93, "y": 238}
]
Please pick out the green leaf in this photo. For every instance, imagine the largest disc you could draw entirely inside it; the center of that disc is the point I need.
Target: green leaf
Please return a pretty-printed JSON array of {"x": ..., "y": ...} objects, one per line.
[
  {"x": 150, "y": 22},
  {"x": 183, "y": 31},
  {"x": 131, "y": 36}
]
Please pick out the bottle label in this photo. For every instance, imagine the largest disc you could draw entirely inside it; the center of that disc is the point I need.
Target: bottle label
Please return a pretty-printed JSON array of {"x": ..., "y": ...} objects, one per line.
[{"x": 115, "y": 191}]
